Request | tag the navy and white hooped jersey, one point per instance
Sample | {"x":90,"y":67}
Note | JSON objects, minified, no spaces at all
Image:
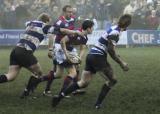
{"x":101,"y":47}
{"x":34,"y":34}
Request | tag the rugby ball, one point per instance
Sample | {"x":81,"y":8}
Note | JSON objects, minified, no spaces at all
{"x":74,"y":58}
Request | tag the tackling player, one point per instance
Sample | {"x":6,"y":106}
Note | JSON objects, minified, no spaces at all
{"x":23,"y":54}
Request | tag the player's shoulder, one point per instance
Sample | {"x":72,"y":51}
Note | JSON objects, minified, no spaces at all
{"x":35,"y":23}
{"x":114,"y":30}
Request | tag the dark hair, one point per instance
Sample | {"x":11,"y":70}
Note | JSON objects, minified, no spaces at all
{"x":124,"y":21}
{"x":44,"y":17}
{"x":87,"y":24}
{"x":65,"y":7}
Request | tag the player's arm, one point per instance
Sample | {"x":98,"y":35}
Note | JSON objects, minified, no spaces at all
{"x":116,"y":57}
{"x":63,"y":42}
{"x":59,"y":30}
{"x":49,"y":30}
{"x":51,"y":38}
{"x":82,"y":51}
{"x":71,"y":32}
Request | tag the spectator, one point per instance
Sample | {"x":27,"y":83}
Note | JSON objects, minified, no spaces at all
{"x":55,"y":13}
{"x":153,"y":20}
{"x":130,"y":8}
{"x":22,"y":14}
{"x":101,"y":14}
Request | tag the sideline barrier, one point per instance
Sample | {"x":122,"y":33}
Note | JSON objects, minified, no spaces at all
{"x":9,"y":37}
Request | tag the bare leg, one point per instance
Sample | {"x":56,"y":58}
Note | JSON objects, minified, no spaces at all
{"x":107,"y":73}
{"x":69,"y":78}
{"x":34,"y":79}
{"x":11,"y":75}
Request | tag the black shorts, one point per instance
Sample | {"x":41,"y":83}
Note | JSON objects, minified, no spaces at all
{"x":22,"y":57}
{"x":96,"y":63}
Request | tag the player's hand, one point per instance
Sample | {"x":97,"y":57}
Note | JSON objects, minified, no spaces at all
{"x":67,"y":56}
{"x":68,"y":59}
{"x":73,"y":58}
{"x":50,"y":54}
{"x":124,"y":66}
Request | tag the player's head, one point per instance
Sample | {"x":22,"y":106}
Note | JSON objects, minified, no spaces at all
{"x":67,"y":11}
{"x":87,"y":25}
{"x":124,"y":21}
{"x":44,"y":17}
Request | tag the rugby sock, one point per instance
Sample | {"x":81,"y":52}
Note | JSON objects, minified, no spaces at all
{"x":32,"y":83}
{"x":71,"y":88}
{"x":48,"y":86}
{"x":105,"y":89}
{"x":3,"y":78}
{"x":67,"y":82}
{"x":50,"y":77}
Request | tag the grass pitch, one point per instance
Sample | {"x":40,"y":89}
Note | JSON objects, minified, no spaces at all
{"x":137,"y":91}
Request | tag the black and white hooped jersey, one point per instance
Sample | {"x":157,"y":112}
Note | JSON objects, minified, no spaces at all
{"x":35,"y":32}
{"x":101,"y":47}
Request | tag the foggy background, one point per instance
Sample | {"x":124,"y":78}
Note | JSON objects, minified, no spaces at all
{"x":146,"y":13}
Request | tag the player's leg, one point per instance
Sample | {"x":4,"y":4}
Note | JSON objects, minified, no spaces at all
{"x":82,"y":83}
{"x":14,"y":67}
{"x":70,"y":77}
{"x":30,"y":62}
{"x":54,"y":75}
{"x":33,"y":80}
{"x":49,"y":82}
{"x":107,"y":73}
{"x":85,"y":79}
{"x":11,"y":75}
{"x":87,"y":73}
{"x":76,"y":79}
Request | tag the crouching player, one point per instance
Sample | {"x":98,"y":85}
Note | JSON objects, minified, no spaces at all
{"x":96,"y":60}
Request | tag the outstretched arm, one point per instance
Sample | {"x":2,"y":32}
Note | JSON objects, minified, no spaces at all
{"x":71,"y":32}
{"x":116,"y":57}
{"x":63,"y":42}
{"x":82,"y":51}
